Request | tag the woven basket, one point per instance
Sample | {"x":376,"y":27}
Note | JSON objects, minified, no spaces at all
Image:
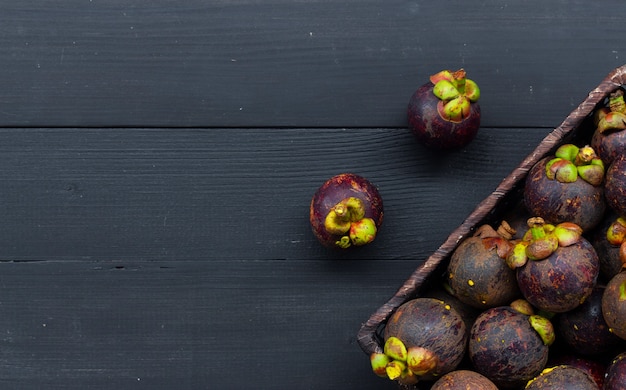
{"x":575,"y":128}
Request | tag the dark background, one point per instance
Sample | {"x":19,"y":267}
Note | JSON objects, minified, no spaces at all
{"x":157,"y":160}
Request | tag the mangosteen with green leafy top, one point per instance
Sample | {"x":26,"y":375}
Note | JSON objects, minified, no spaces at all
{"x":557,"y":268}
{"x":567,"y":187}
{"x":346,"y":211}
{"x":508,"y":346}
{"x":444,"y":114}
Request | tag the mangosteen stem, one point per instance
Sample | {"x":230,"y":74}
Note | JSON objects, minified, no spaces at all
{"x":350,"y":209}
{"x":347,"y":219}
{"x":506,"y":231}
{"x":584,"y":155}
{"x":340,"y":216}
{"x":456,"y":93}
{"x":616,"y":101}
{"x":541,"y":244}
{"x":536,"y":225}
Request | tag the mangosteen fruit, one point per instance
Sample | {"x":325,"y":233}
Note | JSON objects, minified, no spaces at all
{"x":584,"y":329}
{"x":562,"y":378}
{"x":615,"y":378}
{"x":567,"y":187}
{"x":614,"y":305}
{"x":430,"y":336}
{"x":443,"y":114}
{"x":463,"y":380}
{"x":556,"y":267}
{"x":615,"y":185}
{"x":346,"y":211}
{"x":609,"y":241}
{"x":509,"y":347}
{"x":443,"y":293}
{"x":609,"y":138}
{"x":478,"y":274}
{"x":592,"y":366}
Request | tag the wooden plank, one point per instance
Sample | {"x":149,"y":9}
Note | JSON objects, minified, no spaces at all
{"x":196,"y":194}
{"x":226,"y":324}
{"x":299,"y":64}
{"x":182,"y":258}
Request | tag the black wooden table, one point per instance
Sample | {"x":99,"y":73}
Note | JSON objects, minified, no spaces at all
{"x":158,"y":159}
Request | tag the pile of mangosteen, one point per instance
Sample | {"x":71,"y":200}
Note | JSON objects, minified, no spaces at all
{"x":536,"y":302}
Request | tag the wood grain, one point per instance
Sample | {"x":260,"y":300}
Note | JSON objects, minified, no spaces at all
{"x":157,"y":160}
{"x":161,"y":258}
{"x":194,"y":194}
{"x":297,"y":64}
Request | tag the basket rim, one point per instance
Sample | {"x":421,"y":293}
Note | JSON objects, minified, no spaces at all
{"x":367,"y":335}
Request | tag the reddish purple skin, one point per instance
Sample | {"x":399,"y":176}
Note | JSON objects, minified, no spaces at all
{"x":578,"y":202}
{"x":333,"y":191}
{"x":615,"y":185}
{"x":505,"y":348}
{"x":614,"y":305}
{"x":593,"y":368}
{"x":561,"y":281}
{"x":427,"y":323}
{"x":432,"y":130}
{"x":584,"y":329}
{"x":563,"y":378}
{"x":463,"y":380}
{"x":616,"y":374}
{"x":610,"y":263}
{"x":609,"y":145}
{"x":494,"y":282}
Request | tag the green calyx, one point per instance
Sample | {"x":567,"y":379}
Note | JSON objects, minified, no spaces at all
{"x":522,"y":306}
{"x":613,"y":117}
{"x":616,"y":233}
{"x":396,"y":362}
{"x":571,"y":162}
{"x":541,"y":240}
{"x":544,"y":328}
{"x":616,"y":236}
{"x":456,"y":93}
{"x":347,"y":220}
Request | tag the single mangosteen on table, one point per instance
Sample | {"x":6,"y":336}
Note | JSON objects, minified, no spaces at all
{"x":609,"y":138}
{"x":556,"y":267}
{"x":614,"y":305}
{"x":444,"y":114}
{"x":508,"y":346}
{"x":562,"y":377}
{"x":346,"y":211}
{"x":567,"y":187}
{"x":424,"y":339}
{"x":478,"y":274}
